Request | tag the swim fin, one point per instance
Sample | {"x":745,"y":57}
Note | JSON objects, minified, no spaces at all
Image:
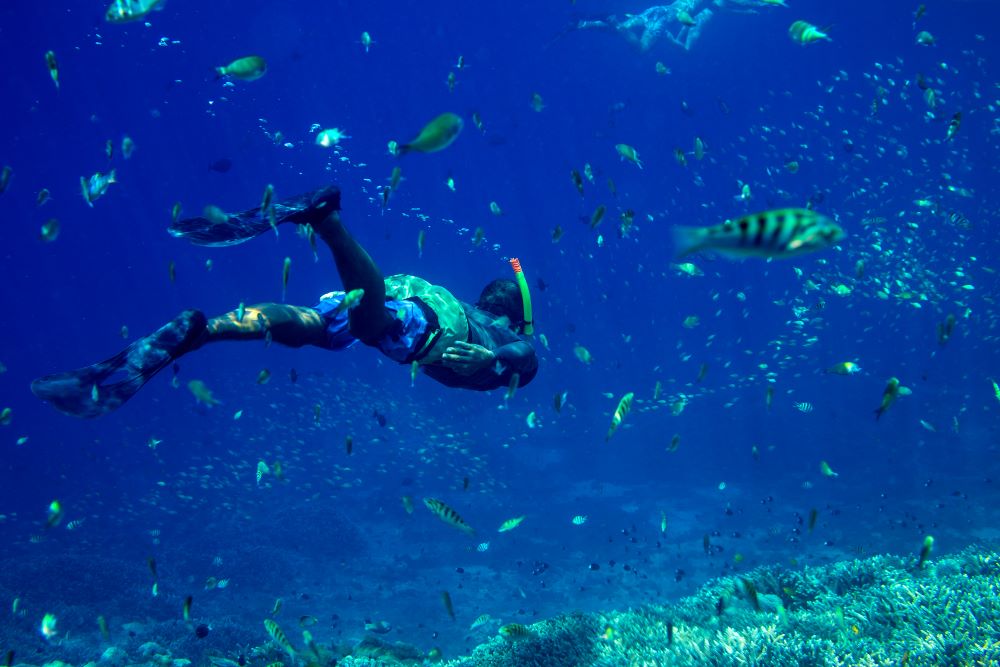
{"x":241,"y":227}
{"x":96,"y":390}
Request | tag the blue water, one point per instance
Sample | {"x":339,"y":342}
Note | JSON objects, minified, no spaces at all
{"x":332,"y":539}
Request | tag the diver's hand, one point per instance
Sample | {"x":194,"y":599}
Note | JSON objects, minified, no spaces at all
{"x":467,"y":358}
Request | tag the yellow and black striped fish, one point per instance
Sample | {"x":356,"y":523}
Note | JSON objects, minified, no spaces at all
{"x":515,"y":632}
{"x":780,"y":233}
{"x":448,"y":515}
{"x":279,"y":636}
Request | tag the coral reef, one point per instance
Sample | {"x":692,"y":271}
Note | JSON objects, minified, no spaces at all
{"x":880,"y":611}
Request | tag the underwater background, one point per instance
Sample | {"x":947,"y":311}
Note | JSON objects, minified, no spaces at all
{"x":707,"y":476}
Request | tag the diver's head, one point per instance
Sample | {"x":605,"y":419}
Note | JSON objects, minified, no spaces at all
{"x":502,"y":298}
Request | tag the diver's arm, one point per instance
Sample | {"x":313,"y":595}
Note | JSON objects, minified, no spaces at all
{"x":518,"y":356}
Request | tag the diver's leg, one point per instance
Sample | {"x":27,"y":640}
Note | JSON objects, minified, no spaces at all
{"x":293,"y":326}
{"x":94,"y":390}
{"x":370,"y":318}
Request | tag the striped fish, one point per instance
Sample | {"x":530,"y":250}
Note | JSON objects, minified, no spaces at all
{"x":515,"y":631}
{"x":448,"y":515}
{"x":623,"y":408}
{"x":279,"y":636}
{"x":780,"y":233}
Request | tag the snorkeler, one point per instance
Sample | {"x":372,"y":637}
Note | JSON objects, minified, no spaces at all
{"x":645,"y":29}
{"x":411,"y":321}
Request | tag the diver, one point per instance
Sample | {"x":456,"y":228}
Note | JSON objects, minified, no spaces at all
{"x":645,"y":29}
{"x":680,"y":22}
{"x":411,"y":321}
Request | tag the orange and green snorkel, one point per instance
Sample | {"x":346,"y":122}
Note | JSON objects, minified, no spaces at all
{"x":522,"y":283}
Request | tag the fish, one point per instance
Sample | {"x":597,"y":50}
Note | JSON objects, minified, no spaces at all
{"x":579,"y":520}
{"x":50,"y":61}
{"x":771,"y":234}
{"x":366,"y":40}
{"x":348,"y":445}
{"x":805,"y":33}
{"x":629,"y":153}
{"x":663,"y":523}
{"x":307,"y":621}
{"x":624,"y":405}
{"x":262,"y":470}
{"x":49,"y":231}
{"x":102,"y":625}
{"x":560,"y":400}
{"x":54,"y":514}
{"x":515,"y":380}
{"x":123,"y":11}
{"x":577,"y":181}
{"x":813,"y":514}
{"x":675,"y":442}
{"x":751,"y":592}
{"x":597,"y":216}
{"x":96,"y":186}
{"x":826,"y":470}
{"x":187,"y":608}
{"x":477,"y":120}
{"x":277,"y":607}
{"x":448,"y":515}
{"x":495,"y":209}
{"x":350,"y":301}
{"x":279,"y":637}
{"x":844,"y":368}
{"x":5,"y":175}
{"x":264,"y":376}
{"x":286,"y":267}
{"x":378,"y":627}
{"x":924,"y":38}
{"x":803,"y":406}
{"x":330,"y":137}
{"x":128,"y":147}
{"x":889,"y":396}
{"x":48,"y":626}
{"x":510,"y":524}
{"x":537,"y":103}
{"x":953,"y":125}
{"x":583,"y":354}
{"x":248,"y":68}
{"x":421,"y":237}
{"x":437,"y":135}
{"x":407,"y":504}
{"x":446,"y":600}
{"x":925,"y":551}
{"x":221,"y":166}
{"x":481,"y":620}
{"x":514,"y":632}
{"x":202,"y":393}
